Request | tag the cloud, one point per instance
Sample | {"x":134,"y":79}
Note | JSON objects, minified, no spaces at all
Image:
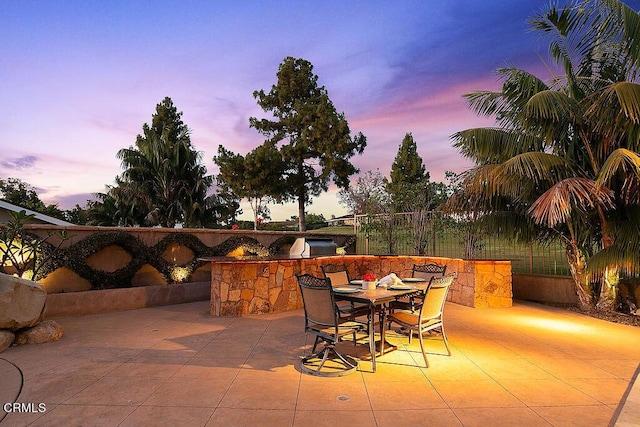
{"x":69,"y":201}
{"x":19,"y":163}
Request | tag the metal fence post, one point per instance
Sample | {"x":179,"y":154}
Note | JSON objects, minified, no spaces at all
{"x":433,"y":235}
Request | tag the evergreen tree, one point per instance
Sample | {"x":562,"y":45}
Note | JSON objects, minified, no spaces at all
{"x":313,"y":139}
{"x":409,"y":180}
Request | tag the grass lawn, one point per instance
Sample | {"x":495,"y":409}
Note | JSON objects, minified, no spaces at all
{"x":342,"y":229}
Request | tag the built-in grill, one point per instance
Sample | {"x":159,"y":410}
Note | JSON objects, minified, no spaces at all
{"x":312,"y":246}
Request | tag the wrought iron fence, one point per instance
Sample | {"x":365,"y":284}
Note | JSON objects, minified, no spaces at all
{"x":431,"y":234}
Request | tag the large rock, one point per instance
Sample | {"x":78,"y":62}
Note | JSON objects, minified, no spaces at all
{"x":6,"y":338}
{"x":45,"y":331}
{"x":21,"y":302}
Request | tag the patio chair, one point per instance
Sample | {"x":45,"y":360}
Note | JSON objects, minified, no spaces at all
{"x":339,"y":276}
{"x":423,"y":271}
{"x":321,"y":318}
{"x":429,"y":318}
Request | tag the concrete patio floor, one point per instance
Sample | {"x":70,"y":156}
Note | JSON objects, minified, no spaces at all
{"x":177,"y":365}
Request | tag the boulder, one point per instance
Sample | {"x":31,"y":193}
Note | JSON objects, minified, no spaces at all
{"x":6,"y":338}
{"x":21,"y":302}
{"x":45,"y":331}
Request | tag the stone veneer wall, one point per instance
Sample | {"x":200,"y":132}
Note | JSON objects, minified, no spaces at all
{"x":241,"y":287}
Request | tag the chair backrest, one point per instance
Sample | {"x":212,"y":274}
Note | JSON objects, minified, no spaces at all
{"x":435,"y":297}
{"x":318,"y":300}
{"x":427,"y":271}
{"x":337,"y":273}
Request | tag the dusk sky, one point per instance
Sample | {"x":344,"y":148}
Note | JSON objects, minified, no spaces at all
{"x":78,"y":79}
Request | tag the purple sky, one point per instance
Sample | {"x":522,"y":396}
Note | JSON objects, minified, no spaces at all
{"x":79,"y":78}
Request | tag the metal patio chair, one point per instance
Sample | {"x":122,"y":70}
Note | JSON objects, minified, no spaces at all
{"x":429,"y":318}
{"x":339,"y":276}
{"x":322,"y":319}
{"x":423,"y":271}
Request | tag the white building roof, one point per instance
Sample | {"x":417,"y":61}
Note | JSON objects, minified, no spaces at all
{"x":37,"y":215}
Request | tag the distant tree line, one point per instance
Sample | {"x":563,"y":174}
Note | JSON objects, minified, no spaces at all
{"x":164,"y":182}
{"x":308,"y":144}
{"x":20,"y":193}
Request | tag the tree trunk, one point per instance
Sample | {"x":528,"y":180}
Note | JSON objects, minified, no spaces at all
{"x":302,"y":224}
{"x":254,"y":206}
{"x":302,"y":195}
{"x":609,"y":290}
{"x":610,"y":278}
{"x":578,"y":263}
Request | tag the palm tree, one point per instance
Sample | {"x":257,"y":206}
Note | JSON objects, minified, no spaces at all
{"x":563,"y":160}
{"x":166,"y":169}
{"x":122,"y":205}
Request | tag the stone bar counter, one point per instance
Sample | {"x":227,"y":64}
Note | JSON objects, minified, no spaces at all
{"x":268,"y":285}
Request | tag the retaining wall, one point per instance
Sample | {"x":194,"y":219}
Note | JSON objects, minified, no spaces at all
{"x":108,"y":300}
{"x":543,"y":288}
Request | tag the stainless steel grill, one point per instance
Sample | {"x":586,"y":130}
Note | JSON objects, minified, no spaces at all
{"x":312,"y":246}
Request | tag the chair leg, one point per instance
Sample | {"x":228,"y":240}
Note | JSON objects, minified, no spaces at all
{"x":349,"y":364}
{"x":315,"y":344}
{"x":424,"y":353}
{"x":444,"y":337}
{"x":325,"y":355}
{"x":383,"y":334}
{"x":344,"y":359}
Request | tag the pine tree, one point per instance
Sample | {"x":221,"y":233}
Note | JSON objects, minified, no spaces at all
{"x":313,"y":139}
{"x":408,"y":176}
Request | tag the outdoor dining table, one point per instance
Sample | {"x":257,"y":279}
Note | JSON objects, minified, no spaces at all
{"x":378,"y":297}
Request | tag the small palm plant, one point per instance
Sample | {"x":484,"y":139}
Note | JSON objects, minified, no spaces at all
{"x":25,"y":254}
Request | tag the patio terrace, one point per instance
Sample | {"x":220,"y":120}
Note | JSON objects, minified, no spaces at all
{"x":178,"y":365}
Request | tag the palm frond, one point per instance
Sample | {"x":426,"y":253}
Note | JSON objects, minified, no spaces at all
{"x":552,"y":105}
{"x":625,"y":22}
{"x":557,"y":204}
{"x":626,"y":231}
{"x":534,"y":165}
{"x":485,"y":103}
{"x":519,"y":85}
{"x":624,"y":95}
{"x":622,"y":161}
{"x":559,"y":25}
{"x":615,"y":256}
{"x":509,"y":225}
{"x":476,"y":190}
{"x":493,"y":145}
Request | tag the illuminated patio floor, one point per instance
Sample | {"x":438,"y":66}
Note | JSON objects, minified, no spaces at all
{"x":178,"y":366}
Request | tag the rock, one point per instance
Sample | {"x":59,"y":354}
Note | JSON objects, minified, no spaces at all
{"x":6,"y":338}
{"x":45,"y":331}
{"x":21,"y":302}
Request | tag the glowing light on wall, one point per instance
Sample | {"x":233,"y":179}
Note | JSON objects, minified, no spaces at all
{"x":180,"y":274}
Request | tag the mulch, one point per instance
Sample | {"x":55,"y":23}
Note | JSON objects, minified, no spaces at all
{"x":615,"y":317}
{"x":609,"y":316}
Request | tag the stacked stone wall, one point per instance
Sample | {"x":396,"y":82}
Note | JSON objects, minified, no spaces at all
{"x":241,"y":287}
